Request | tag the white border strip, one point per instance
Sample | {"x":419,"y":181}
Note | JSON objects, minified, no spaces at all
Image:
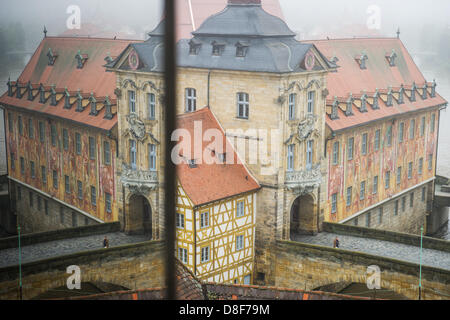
{"x":386,"y":200}
{"x":57,"y":200}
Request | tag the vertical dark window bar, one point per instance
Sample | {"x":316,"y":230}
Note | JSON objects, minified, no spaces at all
{"x":169,"y":168}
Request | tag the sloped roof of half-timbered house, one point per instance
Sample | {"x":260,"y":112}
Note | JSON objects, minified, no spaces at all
{"x":241,"y":37}
{"x":377,"y":77}
{"x":218,"y":174}
{"x":74,"y":68}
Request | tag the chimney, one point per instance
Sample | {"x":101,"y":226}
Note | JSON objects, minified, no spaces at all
{"x":257,"y":2}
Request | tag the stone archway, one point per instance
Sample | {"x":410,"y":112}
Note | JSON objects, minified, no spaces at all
{"x":139,"y":216}
{"x":302,"y":216}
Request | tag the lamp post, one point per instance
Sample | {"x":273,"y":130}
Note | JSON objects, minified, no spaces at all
{"x":20,"y":266}
{"x":420,"y":264}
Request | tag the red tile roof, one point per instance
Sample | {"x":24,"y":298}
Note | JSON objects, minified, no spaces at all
{"x":211,"y":182}
{"x":92,"y":78}
{"x":350,"y":78}
{"x":202,"y":9}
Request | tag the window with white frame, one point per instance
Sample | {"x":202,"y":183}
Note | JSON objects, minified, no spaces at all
{"x":362,"y":190}
{"x":290,"y":157}
{"x":433,"y":122}
{"x":430,"y":161}
{"x":205,"y":254}
{"x":106,"y":153}
{"x":240,"y":209}
{"x":132,"y":101}
{"x":204,"y":219}
{"x":335,"y":153}
{"x":292,"y":97}
{"x":350,"y":148}
{"x":108,"y":202}
{"x":151,"y":104}
{"x":311,"y":101}
{"x":422,"y":127}
{"x":242,"y":105}
{"x":334,"y":203}
{"x":400,"y":132}
{"x":239,"y":242}
{"x":180,"y":220}
{"x":151,"y":157}
{"x":399,"y":175}
{"x":349,"y":196}
{"x":183,"y":255}
{"x":420,"y":165}
{"x":191,"y":99}
{"x":364,"y":144}
{"x":389,"y":136}
{"x":412,"y":128}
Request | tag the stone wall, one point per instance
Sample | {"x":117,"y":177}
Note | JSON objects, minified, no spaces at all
{"x":409,"y":239}
{"x":29,"y":239}
{"x":305,"y":266}
{"x":135,"y":266}
{"x":43,"y":213}
{"x":407,"y":219}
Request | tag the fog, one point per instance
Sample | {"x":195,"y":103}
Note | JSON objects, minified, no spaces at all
{"x":424,"y":28}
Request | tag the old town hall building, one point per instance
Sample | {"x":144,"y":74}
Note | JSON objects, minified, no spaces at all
{"x":332,"y":130}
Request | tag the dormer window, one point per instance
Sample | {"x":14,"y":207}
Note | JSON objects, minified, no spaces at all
{"x":10,"y":92}
{"x":413,"y":92}
{"x":108,"y":111}
{"x":375,"y":104}
{"x":433,"y":89}
{"x":81,"y":59}
{"x":424,"y":92}
{"x":18,"y":93}
{"x":389,"y":98}
{"x":53,"y":97}
{"x":108,"y":58}
{"x":41,"y":94}
{"x":401,"y":95}
{"x":363,"y":103}
{"x":79,"y":102}
{"x":192,"y":163}
{"x":241,"y":49}
{"x":51,"y":57}
{"x":218,"y":48}
{"x":391,"y":58}
{"x":362,"y":61}
{"x":194,"y":47}
{"x":93,"y":101}
{"x":67,"y":100}
{"x":349,"y":109}
{"x":334,"y":109}
{"x":30,"y":92}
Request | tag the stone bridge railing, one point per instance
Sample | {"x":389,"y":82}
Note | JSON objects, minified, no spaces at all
{"x":132,"y":266}
{"x":308,"y":266}
{"x":33,"y":238}
{"x":404,"y":238}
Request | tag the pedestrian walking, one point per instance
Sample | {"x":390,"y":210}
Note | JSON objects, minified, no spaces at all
{"x":106,"y":243}
{"x":336,"y":243}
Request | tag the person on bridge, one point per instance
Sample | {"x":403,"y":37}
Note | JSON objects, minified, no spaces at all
{"x":106,"y":243}
{"x":336,"y":243}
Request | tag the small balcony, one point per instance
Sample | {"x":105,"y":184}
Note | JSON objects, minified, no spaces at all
{"x":139,"y":180}
{"x":305,"y":181}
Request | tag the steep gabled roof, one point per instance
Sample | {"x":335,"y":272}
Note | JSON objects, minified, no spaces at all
{"x":207,"y":183}
{"x":64,"y":75}
{"x":377,"y":75}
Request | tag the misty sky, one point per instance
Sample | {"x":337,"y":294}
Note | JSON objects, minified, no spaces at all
{"x":142,"y":15}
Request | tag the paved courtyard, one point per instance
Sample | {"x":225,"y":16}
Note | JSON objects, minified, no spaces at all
{"x":432,"y":258}
{"x":57,"y":248}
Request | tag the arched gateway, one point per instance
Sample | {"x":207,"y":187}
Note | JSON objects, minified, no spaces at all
{"x":139,"y":216}
{"x":303,"y":216}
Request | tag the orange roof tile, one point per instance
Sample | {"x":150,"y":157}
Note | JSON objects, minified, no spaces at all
{"x":211,"y":182}
{"x":350,"y":78}
{"x":65,"y":74}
